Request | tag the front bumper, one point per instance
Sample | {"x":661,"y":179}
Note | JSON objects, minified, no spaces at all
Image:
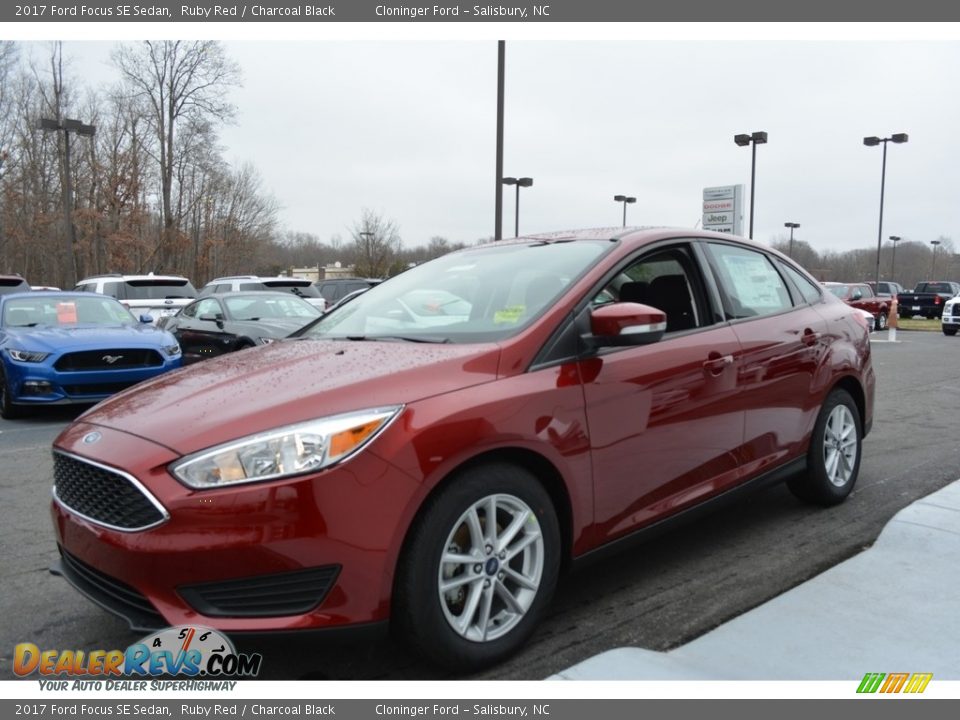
{"x":42,"y":384}
{"x":335,"y":533}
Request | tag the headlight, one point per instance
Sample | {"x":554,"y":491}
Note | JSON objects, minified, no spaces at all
{"x":266,"y":340}
{"x":27,"y":356}
{"x":171,"y":350}
{"x":291,"y":450}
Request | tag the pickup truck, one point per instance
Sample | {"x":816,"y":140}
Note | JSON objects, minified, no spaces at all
{"x":927,"y":299}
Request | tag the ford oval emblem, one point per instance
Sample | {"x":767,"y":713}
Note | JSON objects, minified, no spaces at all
{"x":91,"y":438}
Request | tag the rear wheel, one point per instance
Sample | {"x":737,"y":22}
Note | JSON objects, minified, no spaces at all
{"x":881,"y":321}
{"x":479,"y":568}
{"x":833,"y":460}
{"x":8,"y":410}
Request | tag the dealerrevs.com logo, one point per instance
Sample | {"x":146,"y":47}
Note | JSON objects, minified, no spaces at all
{"x":894,"y":682}
{"x":186,"y":650}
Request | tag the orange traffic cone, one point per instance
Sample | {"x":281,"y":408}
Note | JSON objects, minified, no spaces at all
{"x":892,"y":321}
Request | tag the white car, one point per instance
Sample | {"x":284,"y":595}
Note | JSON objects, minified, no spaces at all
{"x":158,"y":296}
{"x":950,"y":320}
{"x":300,"y":287}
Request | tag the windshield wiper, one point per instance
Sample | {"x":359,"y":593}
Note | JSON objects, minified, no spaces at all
{"x":401,"y":338}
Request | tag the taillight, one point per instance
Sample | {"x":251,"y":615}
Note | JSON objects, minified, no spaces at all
{"x":937,"y":299}
{"x":861,"y":320}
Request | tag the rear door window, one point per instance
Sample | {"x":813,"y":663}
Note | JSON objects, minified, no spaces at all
{"x":750,"y":285}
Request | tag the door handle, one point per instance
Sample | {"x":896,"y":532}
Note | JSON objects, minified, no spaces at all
{"x":716,"y":362}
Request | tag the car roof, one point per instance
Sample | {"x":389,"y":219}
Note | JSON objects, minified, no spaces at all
{"x":251,"y":293}
{"x":271,"y":278}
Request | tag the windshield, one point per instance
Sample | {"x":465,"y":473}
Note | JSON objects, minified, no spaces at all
{"x":253,"y":307}
{"x":477,"y":295}
{"x":46,"y":310}
{"x":841,"y":291}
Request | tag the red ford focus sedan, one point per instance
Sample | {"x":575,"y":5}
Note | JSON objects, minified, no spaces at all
{"x":436,"y":451}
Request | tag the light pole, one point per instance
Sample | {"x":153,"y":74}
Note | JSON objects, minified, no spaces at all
{"x":873,"y":141}
{"x":893,"y":260}
{"x":68,"y":126}
{"x":791,"y":225}
{"x":933,"y":266}
{"x":757,"y":138}
{"x":624,"y":199}
{"x":519,"y":182}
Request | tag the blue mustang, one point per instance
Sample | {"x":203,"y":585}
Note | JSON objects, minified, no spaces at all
{"x":68,"y":347}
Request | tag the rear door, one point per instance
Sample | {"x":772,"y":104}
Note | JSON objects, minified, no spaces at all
{"x":783,"y":339}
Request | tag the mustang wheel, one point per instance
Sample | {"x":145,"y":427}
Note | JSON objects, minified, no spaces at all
{"x":7,"y":409}
{"x":480,"y":567}
{"x":834,"y":455}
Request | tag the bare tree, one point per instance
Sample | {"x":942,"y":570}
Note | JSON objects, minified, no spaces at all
{"x":376,"y":241}
{"x":180,"y":83}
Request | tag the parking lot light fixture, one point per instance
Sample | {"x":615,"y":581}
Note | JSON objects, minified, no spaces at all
{"x":873,"y":141}
{"x":519,"y":182}
{"x":68,"y":126}
{"x":893,"y":261}
{"x":792,"y":226}
{"x":757,"y":138}
{"x":933,"y":265}
{"x":625,"y":200}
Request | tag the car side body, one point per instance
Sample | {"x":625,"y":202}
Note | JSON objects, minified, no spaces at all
{"x":601,"y":384}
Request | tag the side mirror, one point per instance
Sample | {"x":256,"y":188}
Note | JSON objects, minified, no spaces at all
{"x":146,"y":319}
{"x":626,"y":324}
{"x":857,"y":294}
{"x":217,"y":318}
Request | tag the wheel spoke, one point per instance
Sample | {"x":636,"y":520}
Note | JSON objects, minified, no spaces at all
{"x":476,"y":531}
{"x":490,"y":534}
{"x":484,"y":620}
{"x":529,"y":537}
{"x":520,"y":579}
{"x":457,"y":559}
{"x":458,"y":581}
{"x":507,"y":536}
{"x":513,"y":605}
{"x":470,"y":608}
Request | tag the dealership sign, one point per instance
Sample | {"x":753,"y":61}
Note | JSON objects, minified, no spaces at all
{"x":723,"y":209}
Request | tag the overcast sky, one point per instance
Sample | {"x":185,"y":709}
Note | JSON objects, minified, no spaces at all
{"x":408,"y":129}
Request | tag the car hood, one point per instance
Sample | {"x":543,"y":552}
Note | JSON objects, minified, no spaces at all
{"x":86,"y":337}
{"x":266,"y":328}
{"x":250,"y":391}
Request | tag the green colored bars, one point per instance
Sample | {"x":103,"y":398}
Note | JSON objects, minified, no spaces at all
{"x":895,"y":682}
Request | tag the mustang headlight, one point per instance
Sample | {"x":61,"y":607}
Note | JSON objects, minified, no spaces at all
{"x":291,"y":450}
{"x":171,"y":350}
{"x":27,"y":356}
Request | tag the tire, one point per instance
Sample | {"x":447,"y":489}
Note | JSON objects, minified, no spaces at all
{"x":481,"y":604}
{"x":8,"y":410}
{"x":949,"y":331}
{"x":833,"y":459}
{"x":880,"y":322}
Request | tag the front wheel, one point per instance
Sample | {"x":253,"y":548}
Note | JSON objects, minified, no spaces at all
{"x":8,"y":410}
{"x":881,"y":322}
{"x":833,"y":460}
{"x":949,"y":331}
{"x":479,"y":569}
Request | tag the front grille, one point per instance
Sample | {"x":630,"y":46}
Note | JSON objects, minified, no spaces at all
{"x":96,"y":388}
{"x":102,"y":495}
{"x":110,"y":593}
{"x":121,"y":358}
{"x":290,"y":593}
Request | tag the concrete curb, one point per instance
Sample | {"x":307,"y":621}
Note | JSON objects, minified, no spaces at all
{"x":893,"y":608}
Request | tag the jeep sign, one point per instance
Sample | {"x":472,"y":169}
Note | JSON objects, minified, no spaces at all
{"x":723,"y":209}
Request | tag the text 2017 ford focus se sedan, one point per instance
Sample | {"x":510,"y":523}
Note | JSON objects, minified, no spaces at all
{"x":435,"y":451}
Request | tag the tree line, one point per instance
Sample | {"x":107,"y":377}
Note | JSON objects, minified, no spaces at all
{"x":152,"y":191}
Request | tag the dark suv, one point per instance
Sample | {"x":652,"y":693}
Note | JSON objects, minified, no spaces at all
{"x":12,"y":284}
{"x":336,"y":289}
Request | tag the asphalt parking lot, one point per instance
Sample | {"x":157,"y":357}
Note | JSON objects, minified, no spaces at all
{"x":657,"y":596}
